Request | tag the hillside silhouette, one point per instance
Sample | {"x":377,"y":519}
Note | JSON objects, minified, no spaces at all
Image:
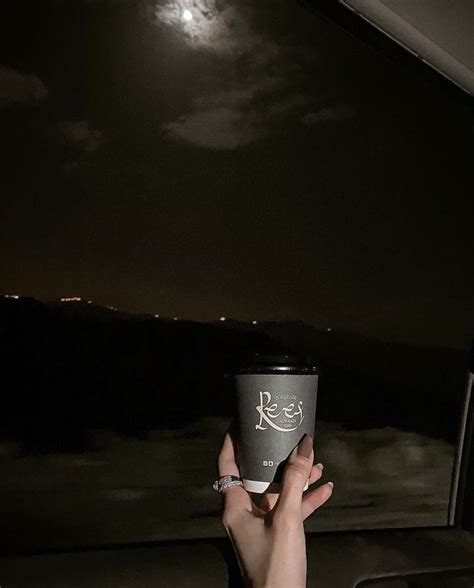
{"x":68,"y":367}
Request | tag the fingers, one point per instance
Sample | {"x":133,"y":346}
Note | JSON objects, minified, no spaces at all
{"x":316,"y":474}
{"x":226,"y":464}
{"x":314,"y":499}
{"x":236,"y":498}
{"x":296,"y":473}
{"x":269,"y":500}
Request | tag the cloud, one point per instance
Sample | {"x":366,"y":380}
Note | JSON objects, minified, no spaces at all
{"x":338,"y":113}
{"x":218,"y":128}
{"x":80,"y":135}
{"x":227,"y":119}
{"x":19,"y":88}
{"x":241,"y":115}
{"x":78,"y":141}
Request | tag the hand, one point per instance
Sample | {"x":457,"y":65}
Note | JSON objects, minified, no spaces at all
{"x":269,"y":539}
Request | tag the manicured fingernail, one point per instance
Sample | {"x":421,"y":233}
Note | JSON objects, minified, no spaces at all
{"x":320,"y":466}
{"x":330,"y":484}
{"x":305,"y":446}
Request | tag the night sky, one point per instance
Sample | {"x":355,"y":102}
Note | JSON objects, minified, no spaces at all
{"x":245,"y":159}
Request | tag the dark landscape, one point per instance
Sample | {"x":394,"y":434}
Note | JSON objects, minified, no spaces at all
{"x":72,"y":366}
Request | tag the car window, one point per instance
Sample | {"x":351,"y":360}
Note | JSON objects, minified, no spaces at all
{"x":185,"y":181}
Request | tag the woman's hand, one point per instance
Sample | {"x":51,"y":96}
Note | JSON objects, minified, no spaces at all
{"x":269,"y":540}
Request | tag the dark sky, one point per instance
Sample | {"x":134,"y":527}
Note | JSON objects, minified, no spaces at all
{"x":255,"y":162}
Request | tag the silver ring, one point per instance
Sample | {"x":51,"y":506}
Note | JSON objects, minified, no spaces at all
{"x":226,"y":482}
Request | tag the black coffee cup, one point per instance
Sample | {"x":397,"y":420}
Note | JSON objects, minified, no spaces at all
{"x":276,"y":405}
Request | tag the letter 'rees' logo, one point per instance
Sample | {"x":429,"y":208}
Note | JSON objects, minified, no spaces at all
{"x":267,"y":413}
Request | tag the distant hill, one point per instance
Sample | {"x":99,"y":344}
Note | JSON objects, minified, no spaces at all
{"x":69,"y":366}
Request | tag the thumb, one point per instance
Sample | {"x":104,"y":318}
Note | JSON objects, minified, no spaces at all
{"x":296,"y":474}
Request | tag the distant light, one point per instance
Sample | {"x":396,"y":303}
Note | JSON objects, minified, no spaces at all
{"x":111,"y":308}
{"x":187,"y":15}
{"x":14,"y":296}
{"x":71,"y":299}
{"x":222,"y":318}
{"x":89,"y":302}
{"x":156,"y":316}
{"x":254,"y":322}
{"x":175,"y":318}
{"x":329,"y":329}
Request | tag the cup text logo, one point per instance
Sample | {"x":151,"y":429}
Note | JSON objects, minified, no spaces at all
{"x":267,"y":413}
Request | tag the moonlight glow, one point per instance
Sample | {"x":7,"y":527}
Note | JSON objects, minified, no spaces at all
{"x":206,"y":24}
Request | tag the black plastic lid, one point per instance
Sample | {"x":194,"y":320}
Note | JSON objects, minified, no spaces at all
{"x":276,"y":363}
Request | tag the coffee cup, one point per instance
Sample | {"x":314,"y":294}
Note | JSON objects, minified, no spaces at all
{"x":276,"y":405}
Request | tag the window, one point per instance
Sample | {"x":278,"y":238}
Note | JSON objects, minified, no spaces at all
{"x":185,"y":181}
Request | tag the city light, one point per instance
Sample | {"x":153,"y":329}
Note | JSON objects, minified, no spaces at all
{"x":112,"y":308}
{"x":156,"y":316}
{"x":71,"y":299}
{"x":254,"y":322}
{"x":175,"y":318}
{"x":329,"y":329}
{"x":222,"y":318}
{"x":187,"y":15}
{"x":14,"y":296}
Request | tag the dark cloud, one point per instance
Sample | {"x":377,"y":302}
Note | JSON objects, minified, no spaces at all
{"x":80,"y":134}
{"x":224,"y":120}
{"x":215,"y":128}
{"x":20,"y":88}
{"x":79,"y":141}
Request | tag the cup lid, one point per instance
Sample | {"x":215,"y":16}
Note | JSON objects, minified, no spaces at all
{"x":275,"y":362}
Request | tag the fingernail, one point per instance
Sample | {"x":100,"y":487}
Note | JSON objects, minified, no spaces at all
{"x":305,"y":446}
{"x":330,"y":484}
{"x":320,"y":466}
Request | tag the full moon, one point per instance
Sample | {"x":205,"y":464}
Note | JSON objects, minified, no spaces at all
{"x":187,"y":15}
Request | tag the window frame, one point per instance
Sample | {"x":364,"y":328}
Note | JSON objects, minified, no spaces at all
{"x":461,"y":511}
